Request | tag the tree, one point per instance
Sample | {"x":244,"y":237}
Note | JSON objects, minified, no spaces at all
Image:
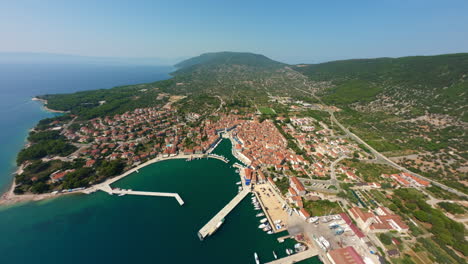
{"x":385,"y":238}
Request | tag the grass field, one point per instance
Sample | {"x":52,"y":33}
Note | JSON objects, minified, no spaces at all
{"x":267,"y":110}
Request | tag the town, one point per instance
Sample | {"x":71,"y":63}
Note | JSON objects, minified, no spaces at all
{"x":302,"y":174}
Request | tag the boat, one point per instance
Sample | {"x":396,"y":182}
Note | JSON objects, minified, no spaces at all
{"x":122,"y":194}
{"x":256,"y":258}
{"x":238,"y":183}
{"x":260,"y":215}
{"x":274,"y":255}
{"x":289,"y":251}
{"x":257,"y":208}
{"x":267,"y":228}
{"x":216,"y":227}
{"x":263,"y":220}
{"x":270,"y":232}
{"x":262,"y":226}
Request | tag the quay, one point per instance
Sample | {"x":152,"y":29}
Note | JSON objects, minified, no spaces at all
{"x":106,"y":188}
{"x":219,"y":157}
{"x":296,"y":257}
{"x":208,"y":229}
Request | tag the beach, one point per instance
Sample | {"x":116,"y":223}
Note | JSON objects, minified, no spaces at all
{"x":44,"y":105}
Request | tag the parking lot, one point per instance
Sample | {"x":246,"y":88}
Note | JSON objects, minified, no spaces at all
{"x":334,"y":230}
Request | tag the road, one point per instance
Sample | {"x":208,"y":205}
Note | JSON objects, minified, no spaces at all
{"x":383,"y":159}
{"x":379,"y":156}
{"x":333,"y":180}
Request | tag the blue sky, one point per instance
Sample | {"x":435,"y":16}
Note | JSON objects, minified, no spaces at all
{"x":289,"y":31}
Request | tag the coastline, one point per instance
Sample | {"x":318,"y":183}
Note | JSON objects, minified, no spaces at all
{"x":44,"y":105}
{"x":9,"y":197}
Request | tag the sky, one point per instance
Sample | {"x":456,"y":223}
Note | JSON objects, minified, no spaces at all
{"x":296,"y":31}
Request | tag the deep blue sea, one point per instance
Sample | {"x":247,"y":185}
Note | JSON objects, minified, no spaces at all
{"x":99,"y":228}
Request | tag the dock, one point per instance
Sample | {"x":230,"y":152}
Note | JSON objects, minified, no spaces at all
{"x":211,"y":225}
{"x":296,"y":257}
{"x":109,"y":190}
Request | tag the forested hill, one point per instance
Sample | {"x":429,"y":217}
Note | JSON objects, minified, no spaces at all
{"x":414,"y":85}
{"x":235,"y":74}
{"x":227,"y":58}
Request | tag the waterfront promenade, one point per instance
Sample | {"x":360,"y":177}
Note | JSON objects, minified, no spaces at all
{"x":210,"y":227}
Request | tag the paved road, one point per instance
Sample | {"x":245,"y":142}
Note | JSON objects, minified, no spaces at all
{"x":383,"y":158}
{"x":333,"y":180}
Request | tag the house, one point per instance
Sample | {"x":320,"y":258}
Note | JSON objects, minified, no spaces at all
{"x":90,"y":163}
{"x":347,"y":255}
{"x":297,"y":186}
{"x":58,"y":175}
{"x":383,"y":221}
{"x":304,"y":214}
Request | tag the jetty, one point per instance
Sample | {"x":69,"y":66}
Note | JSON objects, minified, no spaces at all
{"x":106,"y":188}
{"x":211,"y":225}
{"x":296,"y":257}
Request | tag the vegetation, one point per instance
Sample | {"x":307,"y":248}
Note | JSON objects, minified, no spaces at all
{"x":43,"y":148}
{"x":322,"y":207}
{"x":403,"y":106}
{"x":283,"y":184}
{"x":95,"y":103}
{"x":385,"y":238}
{"x":443,"y":228}
{"x":452,"y":208}
{"x":350,"y":92}
{"x":266,"y":111}
{"x":370,"y":172}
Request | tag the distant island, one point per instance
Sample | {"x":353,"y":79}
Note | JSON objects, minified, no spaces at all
{"x":380,"y":139}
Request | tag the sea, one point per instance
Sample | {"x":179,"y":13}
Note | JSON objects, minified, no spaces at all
{"x":102,"y":228}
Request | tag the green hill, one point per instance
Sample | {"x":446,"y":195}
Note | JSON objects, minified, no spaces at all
{"x":227,"y":58}
{"x":238,"y":77}
{"x":436,"y":84}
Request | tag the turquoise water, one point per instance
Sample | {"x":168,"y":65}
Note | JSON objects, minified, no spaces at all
{"x":100,"y":228}
{"x":135,"y":229}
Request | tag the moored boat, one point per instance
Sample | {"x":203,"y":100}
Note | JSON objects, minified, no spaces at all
{"x":257,"y":261}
